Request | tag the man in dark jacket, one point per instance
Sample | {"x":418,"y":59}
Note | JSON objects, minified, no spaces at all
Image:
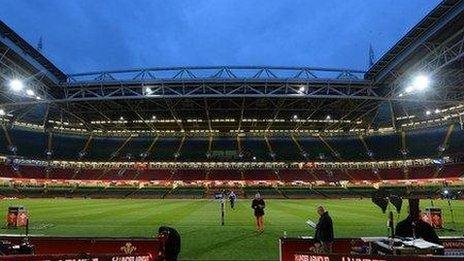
{"x":324,"y":236}
{"x":172,"y":243}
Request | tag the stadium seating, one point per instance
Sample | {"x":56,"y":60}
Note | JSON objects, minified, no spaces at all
{"x":348,"y":148}
{"x":291,"y":175}
{"x":391,"y":173}
{"x":165,"y":149}
{"x":285,"y":149}
{"x":456,"y":142}
{"x":30,"y":144}
{"x":189,"y":174}
{"x":290,"y":180}
{"x":222,"y":174}
{"x":384,"y":147}
{"x":135,"y":147}
{"x":255,"y":147}
{"x":416,"y":146}
{"x":67,"y":147}
{"x":194,"y":148}
{"x":316,"y":149}
{"x":33,"y":144}
{"x":260,"y":174}
{"x":155,"y":174}
{"x":283,"y":175}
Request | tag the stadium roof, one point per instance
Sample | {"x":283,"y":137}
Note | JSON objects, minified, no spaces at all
{"x":10,"y":41}
{"x":244,"y":98}
{"x":441,"y":23}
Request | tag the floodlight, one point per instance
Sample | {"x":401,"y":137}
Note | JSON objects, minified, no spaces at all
{"x":437,"y":111}
{"x":428,"y":112}
{"x":2,"y":112}
{"x":295,"y":117}
{"x":409,"y":89}
{"x":16,"y":85}
{"x":328,"y":117}
{"x":421,"y":82}
{"x":30,"y":92}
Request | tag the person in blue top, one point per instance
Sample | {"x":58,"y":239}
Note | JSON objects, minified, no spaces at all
{"x":232,"y":198}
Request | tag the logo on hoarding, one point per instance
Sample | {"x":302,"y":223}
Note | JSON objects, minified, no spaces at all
{"x":327,"y":258}
{"x":453,"y":244}
{"x":311,"y":258}
{"x":128,"y":248}
{"x":131,"y":258}
{"x":347,"y":258}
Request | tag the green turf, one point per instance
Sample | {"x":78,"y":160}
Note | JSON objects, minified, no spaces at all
{"x":198,"y":222}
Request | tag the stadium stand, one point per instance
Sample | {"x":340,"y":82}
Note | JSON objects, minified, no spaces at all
{"x":112,"y":182}
{"x":32,"y":144}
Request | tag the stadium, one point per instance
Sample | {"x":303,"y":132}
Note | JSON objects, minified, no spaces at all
{"x":113,"y":155}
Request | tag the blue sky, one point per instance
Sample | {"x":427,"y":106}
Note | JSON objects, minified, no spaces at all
{"x":93,"y":35}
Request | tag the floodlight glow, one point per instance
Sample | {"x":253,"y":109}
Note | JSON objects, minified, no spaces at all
{"x":30,"y":92}
{"x":409,"y":89}
{"x":295,"y":117}
{"x":421,"y":82}
{"x":428,"y":112}
{"x":16,"y":85}
{"x":2,"y":112}
{"x":328,"y":117}
{"x":437,"y":111}
{"x":446,"y":192}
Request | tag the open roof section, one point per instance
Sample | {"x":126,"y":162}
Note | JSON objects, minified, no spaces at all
{"x":441,"y":23}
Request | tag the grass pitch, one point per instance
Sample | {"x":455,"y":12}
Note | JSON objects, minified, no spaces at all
{"x":198,"y":221}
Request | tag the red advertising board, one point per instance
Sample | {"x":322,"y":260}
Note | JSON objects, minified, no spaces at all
{"x":302,"y":249}
{"x":348,"y":257}
{"x":102,"y":257}
{"x":45,"y":245}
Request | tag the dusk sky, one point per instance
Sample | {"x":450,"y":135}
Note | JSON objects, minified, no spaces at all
{"x":94,"y":35}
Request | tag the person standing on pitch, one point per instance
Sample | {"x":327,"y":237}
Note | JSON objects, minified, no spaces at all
{"x":324,"y":236}
{"x":258,"y":205}
{"x":232,"y":198}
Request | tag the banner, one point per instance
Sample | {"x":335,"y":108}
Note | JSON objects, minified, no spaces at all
{"x":107,"y":257}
